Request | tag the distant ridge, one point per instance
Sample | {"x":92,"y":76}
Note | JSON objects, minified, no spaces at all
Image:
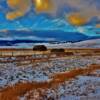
{"x":21,"y":36}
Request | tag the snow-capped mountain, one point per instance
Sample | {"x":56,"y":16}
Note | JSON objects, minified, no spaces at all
{"x":11,"y":38}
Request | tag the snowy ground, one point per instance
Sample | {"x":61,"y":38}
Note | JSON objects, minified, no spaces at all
{"x":10,"y":73}
{"x":95,"y":43}
{"x":80,"y":88}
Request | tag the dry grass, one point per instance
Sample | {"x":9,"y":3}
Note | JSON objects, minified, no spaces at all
{"x":12,"y":93}
{"x":27,"y":52}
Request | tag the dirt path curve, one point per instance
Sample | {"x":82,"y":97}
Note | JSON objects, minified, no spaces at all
{"x":11,"y":93}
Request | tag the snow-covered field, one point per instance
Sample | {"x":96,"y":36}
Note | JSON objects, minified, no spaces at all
{"x":94,"y":43}
{"x":11,"y":73}
{"x":83,"y":44}
{"x":80,"y":88}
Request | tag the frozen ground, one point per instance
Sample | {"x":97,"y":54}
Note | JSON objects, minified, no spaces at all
{"x":83,"y":44}
{"x":80,"y":88}
{"x":10,"y":73}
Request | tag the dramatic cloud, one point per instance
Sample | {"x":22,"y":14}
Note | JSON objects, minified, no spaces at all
{"x":19,"y":7}
{"x":43,"y":5}
{"x":97,"y":25}
{"x":77,"y":19}
{"x":86,"y":9}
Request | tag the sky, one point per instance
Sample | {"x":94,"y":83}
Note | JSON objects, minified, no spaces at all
{"x":67,"y":15}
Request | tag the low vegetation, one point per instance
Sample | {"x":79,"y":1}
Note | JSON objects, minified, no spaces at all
{"x":40,"y":48}
{"x":57,"y":50}
{"x":12,"y":93}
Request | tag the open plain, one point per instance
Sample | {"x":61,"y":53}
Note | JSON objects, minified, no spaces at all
{"x":41,"y":75}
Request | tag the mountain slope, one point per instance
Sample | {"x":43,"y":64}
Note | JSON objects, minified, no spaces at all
{"x":13,"y":37}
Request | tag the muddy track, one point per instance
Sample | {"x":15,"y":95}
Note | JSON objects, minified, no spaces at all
{"x":11,"y":93}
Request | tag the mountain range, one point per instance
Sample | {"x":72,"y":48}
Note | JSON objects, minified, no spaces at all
{"x":12,"y":37}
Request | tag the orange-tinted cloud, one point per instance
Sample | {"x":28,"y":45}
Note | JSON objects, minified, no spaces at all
{"x":20,"y":7}
{"x":77,"y":19}
{"x":43,"y":5}
{"x":14,"y":15}
{"x":13,"y":3}
{"x":97,"y":25}
{"x":86,"y":8}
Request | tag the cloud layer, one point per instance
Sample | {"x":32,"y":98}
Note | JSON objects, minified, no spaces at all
{"x":19,"y":7}
{"x":86,"y":9}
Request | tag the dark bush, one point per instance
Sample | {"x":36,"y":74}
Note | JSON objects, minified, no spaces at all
{"x":57,"y":50}
{"x":96,"y":51}
{"x":69,"y":53}
{"x":40,"y":48}
{"x":84,"y":55}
